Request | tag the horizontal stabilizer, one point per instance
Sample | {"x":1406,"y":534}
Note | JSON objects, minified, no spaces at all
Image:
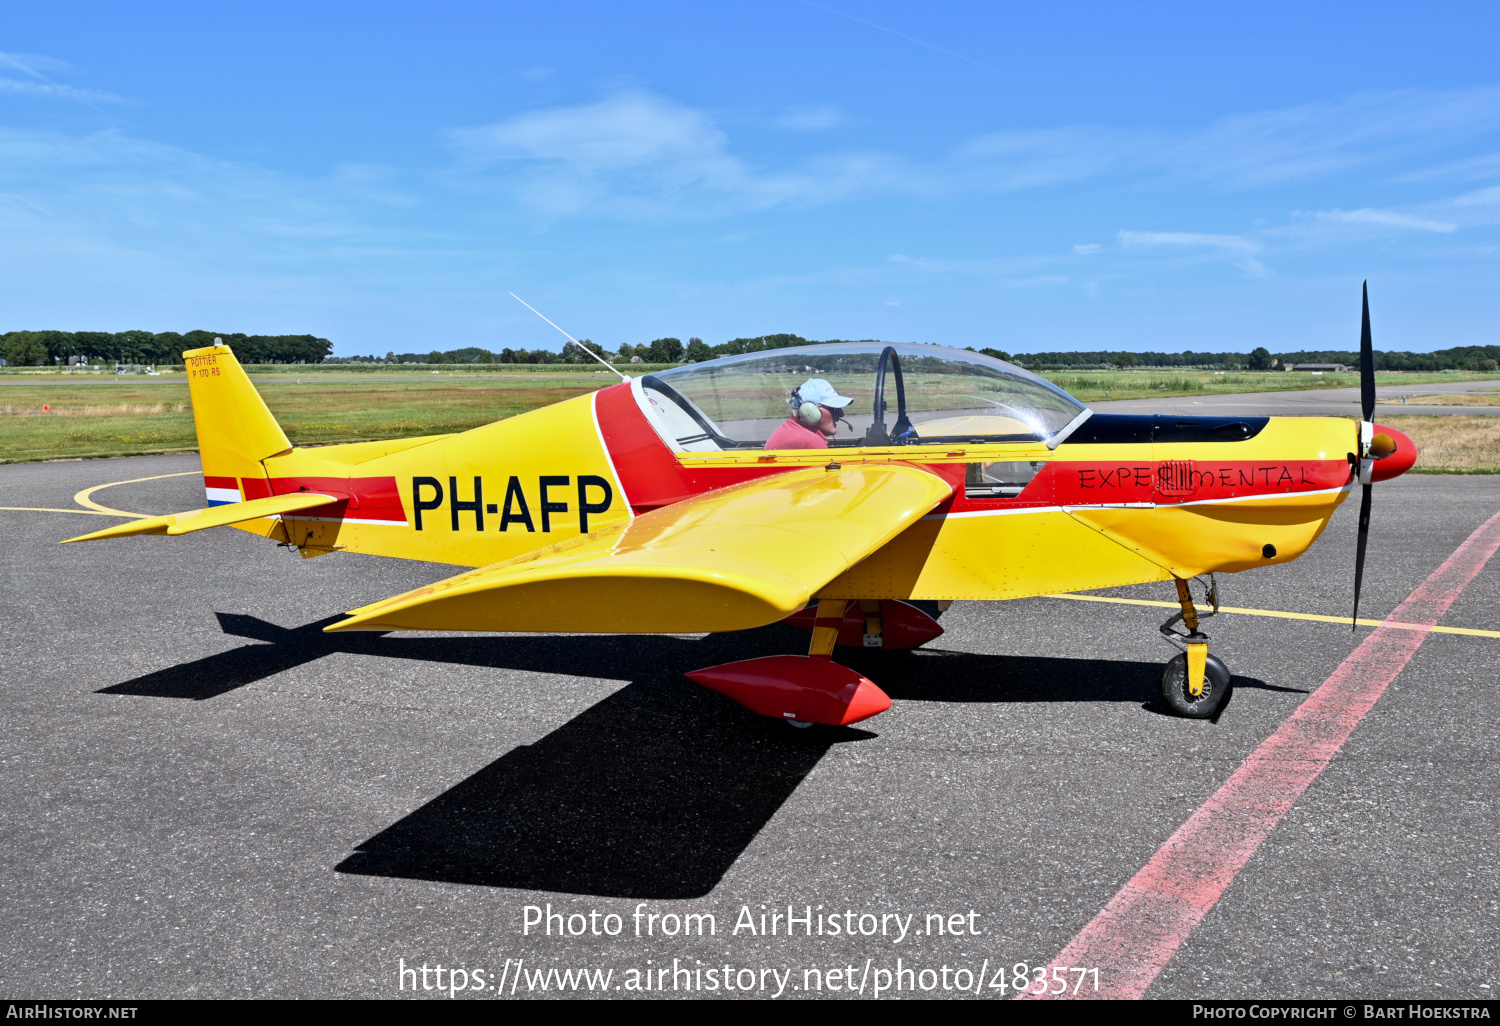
{"x":216,"y":516}
{"x":730,"y":559}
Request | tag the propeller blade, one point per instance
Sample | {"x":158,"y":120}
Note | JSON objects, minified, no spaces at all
{"x":1366,"y":363}
{"x":1359,"y":551}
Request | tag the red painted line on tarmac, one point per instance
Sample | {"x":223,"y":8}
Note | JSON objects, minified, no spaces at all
{"x":1139,"y":931}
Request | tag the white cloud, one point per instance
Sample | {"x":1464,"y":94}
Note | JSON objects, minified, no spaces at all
{"x":628,"y":130}
{"x":638,"y":154}
{"x":39,"y":85}
{"x":1002,"y":161}
{"x":984,"y":267}
{"x":372,"y":183}
{"x":1040,"y":281}
{"x":1226,"y":245}
{"x":1480,"y":197}
{"x":627,"y":154}
{"x":106,"y":190}
{"x":1260,"y":148}
{"x":52,"y":90}
{"x":1467,"y":170}
{"x":1235,"y":243}
{"x":1317,"y":139}
{"x":32,"y":63}
{"x":818,"y":118}
{"x":1386,"y":219}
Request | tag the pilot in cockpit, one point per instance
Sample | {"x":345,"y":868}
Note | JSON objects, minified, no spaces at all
{"x":816,"y":411}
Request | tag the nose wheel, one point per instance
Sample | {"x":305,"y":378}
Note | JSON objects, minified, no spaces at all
{"x":1194,"y":683}
{"x":1213,"y":691}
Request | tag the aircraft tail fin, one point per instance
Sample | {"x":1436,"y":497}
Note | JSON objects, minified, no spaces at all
{"x":235,"y":429}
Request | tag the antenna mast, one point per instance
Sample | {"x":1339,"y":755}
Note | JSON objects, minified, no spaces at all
{"x":570,"y":338}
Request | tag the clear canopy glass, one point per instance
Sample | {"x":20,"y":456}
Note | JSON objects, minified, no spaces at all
{"x":903,"y":395}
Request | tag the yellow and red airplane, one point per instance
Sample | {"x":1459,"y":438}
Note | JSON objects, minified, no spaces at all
{"x":653,"y":506}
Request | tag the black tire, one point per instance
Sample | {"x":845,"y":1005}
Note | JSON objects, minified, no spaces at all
{"x":1217,"y":683}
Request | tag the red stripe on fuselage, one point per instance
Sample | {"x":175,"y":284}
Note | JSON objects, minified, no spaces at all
{"x":705,"y":479}
{"x":370,"y":498}
{"x":1102,"y":483}
{"x":649,"y":473}
{"x":1175,"y":482}
{"x":220,"y":482}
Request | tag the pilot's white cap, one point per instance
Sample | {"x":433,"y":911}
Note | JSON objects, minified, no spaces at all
{"x":816,"y":390}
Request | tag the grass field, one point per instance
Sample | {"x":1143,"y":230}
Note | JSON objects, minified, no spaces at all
{"x":1093,"y":386}
{"x":135,"y":416}
{"x":1088,"y":385}
{"x":130,"y":419}
{"x":1452,"y":445}
{"x":1469,"y":399}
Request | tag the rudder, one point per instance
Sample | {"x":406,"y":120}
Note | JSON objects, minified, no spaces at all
{"x":235,"y":429}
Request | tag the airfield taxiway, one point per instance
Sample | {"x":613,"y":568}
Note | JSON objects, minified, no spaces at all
{"x":201,"y":794}
{"x":1390,"y":401}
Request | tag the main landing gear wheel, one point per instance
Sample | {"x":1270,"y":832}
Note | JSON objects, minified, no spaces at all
{"x":1217,"y":683}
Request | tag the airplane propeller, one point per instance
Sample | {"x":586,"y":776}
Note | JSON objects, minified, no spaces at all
{"x":1371,"y":446}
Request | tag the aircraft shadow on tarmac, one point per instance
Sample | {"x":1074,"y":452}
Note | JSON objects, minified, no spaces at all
{"x":939,"y":675}
{"x":652,"y":793}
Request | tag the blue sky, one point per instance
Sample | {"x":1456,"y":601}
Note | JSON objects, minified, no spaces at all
{"x":1025,"y":176}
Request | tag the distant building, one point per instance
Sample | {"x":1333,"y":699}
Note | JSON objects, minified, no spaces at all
{"x":1330,"y":368}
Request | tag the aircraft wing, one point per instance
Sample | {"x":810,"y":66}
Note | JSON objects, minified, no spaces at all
{"x":730,"y":559}
{"x":216,"y":516}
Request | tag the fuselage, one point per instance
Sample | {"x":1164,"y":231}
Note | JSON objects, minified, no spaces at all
{"x":1121,"y":500}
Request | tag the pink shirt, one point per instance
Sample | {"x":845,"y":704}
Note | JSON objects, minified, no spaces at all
{"x":792,"y":435}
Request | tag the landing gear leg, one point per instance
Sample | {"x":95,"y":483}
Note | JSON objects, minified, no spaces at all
{"x":870,"y":609}
{"x":825,"y":635}
{"x":1193,"y":684}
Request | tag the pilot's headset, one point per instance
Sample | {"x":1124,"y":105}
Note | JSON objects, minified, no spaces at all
{"x":808,"y":414}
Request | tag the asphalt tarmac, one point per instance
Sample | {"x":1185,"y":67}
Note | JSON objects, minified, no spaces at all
{"x":203,"y":795}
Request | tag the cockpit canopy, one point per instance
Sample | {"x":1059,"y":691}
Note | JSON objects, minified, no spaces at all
{"x":903,"y":395}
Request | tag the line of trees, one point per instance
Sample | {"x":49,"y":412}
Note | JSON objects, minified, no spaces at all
{"x":1468,"y":358}
{"x":1464,"y":358}
{"x":31,"y":348}
{"x":473,"y":354}
{"x":661,"y":350}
